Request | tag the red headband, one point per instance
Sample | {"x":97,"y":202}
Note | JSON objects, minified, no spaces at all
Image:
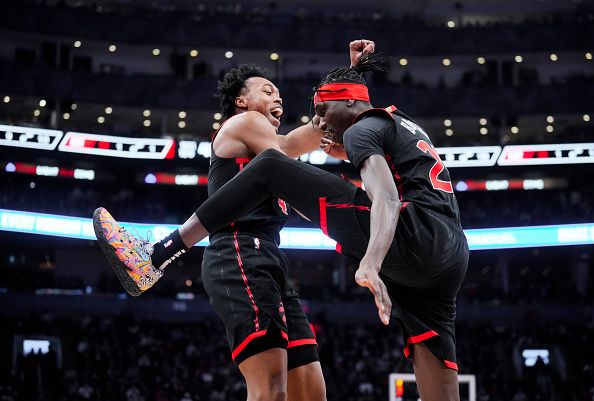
{"x":341,"y":91}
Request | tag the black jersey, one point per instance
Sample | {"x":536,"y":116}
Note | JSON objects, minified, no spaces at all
{"x":266,"y":219}
{"x":418,"y":171}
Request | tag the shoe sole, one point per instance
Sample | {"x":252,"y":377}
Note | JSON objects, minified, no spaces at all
{"x":117,"y":265}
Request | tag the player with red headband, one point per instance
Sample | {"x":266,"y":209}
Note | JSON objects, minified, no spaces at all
{"x":404,"y":228}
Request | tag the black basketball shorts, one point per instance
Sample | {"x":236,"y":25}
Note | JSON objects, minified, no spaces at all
{"x":423,"y":270}
{"x":246,"y":280}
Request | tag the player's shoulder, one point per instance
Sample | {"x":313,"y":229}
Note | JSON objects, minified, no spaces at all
{"x":250,"y":123}
{"x":371,"y":123}
{"x":247,"y":118}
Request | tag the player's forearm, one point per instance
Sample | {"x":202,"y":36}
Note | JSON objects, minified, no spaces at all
{"x":301,"y":140}
{"x":385,"y":211}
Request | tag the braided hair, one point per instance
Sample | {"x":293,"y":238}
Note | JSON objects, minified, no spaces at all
{"x":233,"y":84}
{"x":367,"y":63}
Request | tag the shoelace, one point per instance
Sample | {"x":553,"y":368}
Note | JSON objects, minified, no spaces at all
{"x":143,"y":245}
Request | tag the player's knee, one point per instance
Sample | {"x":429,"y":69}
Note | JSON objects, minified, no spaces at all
{"x":275,"y":153}
{"x":273,"y":392}
{"x":268,"y":158}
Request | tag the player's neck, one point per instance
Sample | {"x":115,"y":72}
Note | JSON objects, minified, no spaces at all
{"x":360,"y":107}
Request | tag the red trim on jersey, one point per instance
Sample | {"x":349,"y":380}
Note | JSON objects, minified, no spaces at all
{"x":304,"y":341}
{"x":417,"y":339}
{"x":450,"y":364}
{"x":404,"y":204}
{"x":284,"y":335}
{"x":341,"y":91}
{"x":323,"y":220}
{"x":245,"y":343}
{"x":390,"y":109}
{"x":338,"y":248}
{"x":245,"y":282}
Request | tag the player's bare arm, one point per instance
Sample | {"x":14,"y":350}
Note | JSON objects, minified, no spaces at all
{"x":303,"y":139}
{"x":385,"y":210}
{"x":248,"y":133}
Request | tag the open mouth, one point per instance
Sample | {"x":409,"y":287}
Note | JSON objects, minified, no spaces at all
{"x":277,"y":112}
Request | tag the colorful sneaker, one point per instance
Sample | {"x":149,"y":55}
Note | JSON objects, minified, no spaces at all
{"x":130,"y":257}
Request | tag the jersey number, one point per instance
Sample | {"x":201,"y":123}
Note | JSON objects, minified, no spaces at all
{"x":438,"y":167}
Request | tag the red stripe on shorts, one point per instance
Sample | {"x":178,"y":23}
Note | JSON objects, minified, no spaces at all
{"x":323,"y":221}
{"x":245,"y":281}
{"x":245,"y":343}
{"x":417,"y":339}
{"x":304,"y":341}
{"x":450,"y":364}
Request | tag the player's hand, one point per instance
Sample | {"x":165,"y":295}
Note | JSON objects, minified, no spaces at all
{"x":367,"y":275}
{"x":333,"y":149}
{"x":360,"y":48}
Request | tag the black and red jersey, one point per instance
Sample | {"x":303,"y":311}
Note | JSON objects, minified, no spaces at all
{"x":418,"y":171}
{"x":265,"y":220}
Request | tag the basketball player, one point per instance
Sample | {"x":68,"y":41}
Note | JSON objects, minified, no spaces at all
{"x":404,"y":228}
{"x":244,"y":272}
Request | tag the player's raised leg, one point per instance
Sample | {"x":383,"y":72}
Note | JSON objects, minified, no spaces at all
{"x":139,"y":264}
